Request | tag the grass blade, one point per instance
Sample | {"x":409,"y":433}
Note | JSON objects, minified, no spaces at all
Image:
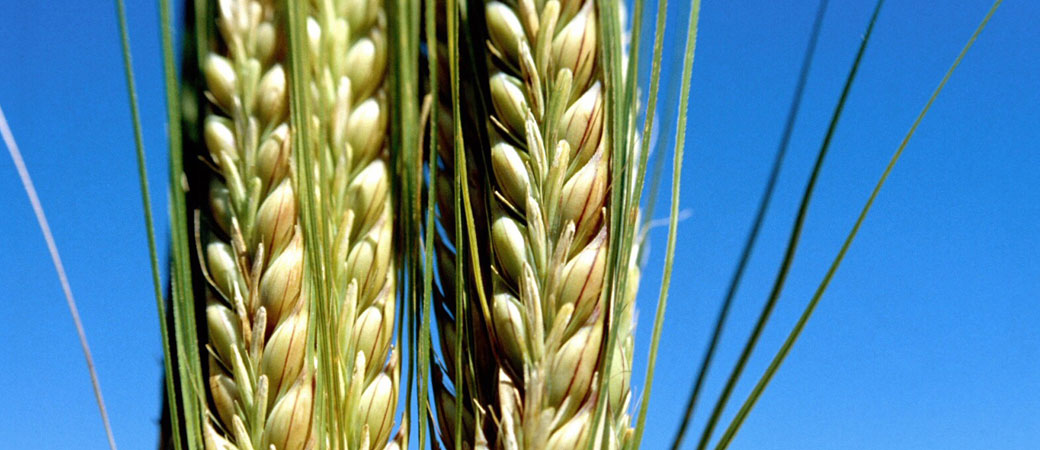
{"x":671,"y":91}
{"x":792,"y":243}
{"x":430,"y":16}
{"x":185,"y":338}
{"x":328,"y":385}
{"x":680,"y":138}
{"x":651,"y":106}
{"x":609,"y":41}
{"x":632,"y":69}
{"x":745,"y":409}
{"x":460,"y":187}
{"x":405,"y":130}
{"x":41,"y":218}
{"x":146,"y":205}
{"x":752,"y":237}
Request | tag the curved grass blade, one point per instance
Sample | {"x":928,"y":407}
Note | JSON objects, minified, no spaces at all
{"x":662,"y":140}
{"x":745,"y":409}
{"x":752,"y":237}
{"x":405,"y":127}
{"x":632,"y":70}
{"x":792,"y":243}
{"x":203,"y":27}
{"x":430,"y":18}
{"x":610,"y":54}
{"x":320,"y":339}
{"x":41,"y":218}
{"x":185,"y":337}
{"x":146,"y":205}
{"x":651,"y":106}
{"x":680,"y":136}
{"x":465,"y":63}
{"x":460,"y":187}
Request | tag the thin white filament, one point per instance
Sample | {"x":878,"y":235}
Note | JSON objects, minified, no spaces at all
{"x":23,"y":173}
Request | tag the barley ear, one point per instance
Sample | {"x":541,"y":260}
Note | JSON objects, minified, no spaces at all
{"x":256,"y":307}
{"x":551,"y":156}
{"x":347,"y":55}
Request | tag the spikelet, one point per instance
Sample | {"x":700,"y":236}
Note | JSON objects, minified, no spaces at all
{"x":256,"y":308}
{"x":550,"y":157}
{"x":347,"y":46}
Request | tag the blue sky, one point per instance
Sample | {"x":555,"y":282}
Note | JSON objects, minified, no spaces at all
{"x":927,"y":338}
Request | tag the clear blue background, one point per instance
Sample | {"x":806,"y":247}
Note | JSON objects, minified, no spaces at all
{"x":929,"y":336}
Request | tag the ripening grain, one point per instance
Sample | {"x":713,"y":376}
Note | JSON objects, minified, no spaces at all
{"x":256,"y":309}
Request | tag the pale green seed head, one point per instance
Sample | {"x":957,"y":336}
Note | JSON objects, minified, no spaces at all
{"x":573,"y":434}
{"x":510,"y":327}
{"x":510,"y":104}
{"x":272,"y":97}
{"x":510,"y":246}
{"x":225,"y":330}
{"x":575,"y":47}
{"x":367,"y":194}
{"x":360,"y":13}
{"x":366,"y":130}
{"x":283,"y":356}
{"x":289,"y":424}
{"x":221,"y":81}
{"x":620,"y":376}
{"x":220,"y":205}
{"x":582,"y":281}
{"x":365,"y":64}
{"x":581,"y":125}
{"x":220,"y":260}
{"x":313,"y":36}
{"x":377,"y":411}
{"x":340,"y":114}
{"x":272,"y":162}
{"x":367,"y":334}
{"x":511,"y":173}
{"x":220,"y":140}
{"x":369,"y":262}
{"x":266,"y":42}
{"x":276,"y":218}
{"x":583,"y":196}
{"x":225,"y":394}
{"x":572,"y":369}
{"x":504,"y":29}
{"x":281,"y":283}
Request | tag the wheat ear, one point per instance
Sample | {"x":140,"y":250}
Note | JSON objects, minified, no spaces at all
{"x":256,"y":310}
{"x":550,"y":158}
{"x":348,"y":62}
